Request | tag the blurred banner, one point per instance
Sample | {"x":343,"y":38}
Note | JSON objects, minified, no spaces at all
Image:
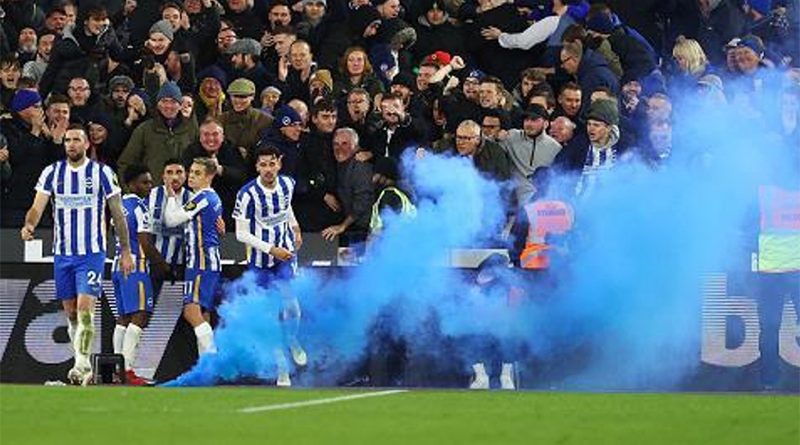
{"x":34,"y":342}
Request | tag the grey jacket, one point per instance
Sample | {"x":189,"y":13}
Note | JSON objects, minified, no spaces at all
{"x":526,"y":155}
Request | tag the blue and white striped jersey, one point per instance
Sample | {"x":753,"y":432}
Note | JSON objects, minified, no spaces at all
{"x":79,"y":199}
{"x":168,"y":240}
{"x":202,"y":239}
{"x":138,"y":219}
{"x":267,"y":213}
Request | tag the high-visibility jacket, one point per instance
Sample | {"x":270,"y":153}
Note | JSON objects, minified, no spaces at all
{"x":544,"y":217}
{"x":407,"y":208}
{"x":779,"y":235}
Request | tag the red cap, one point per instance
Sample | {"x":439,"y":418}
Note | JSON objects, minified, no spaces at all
{"x":439,"y":58}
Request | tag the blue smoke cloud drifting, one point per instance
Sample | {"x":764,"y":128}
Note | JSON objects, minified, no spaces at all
{"x":628,"y":301}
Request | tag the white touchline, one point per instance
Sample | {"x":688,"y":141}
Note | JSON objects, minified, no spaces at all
{"x":280,"y":406}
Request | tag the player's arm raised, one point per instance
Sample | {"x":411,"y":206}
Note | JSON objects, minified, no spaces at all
{"x":121,"y":225}
{"x":34,"y":215}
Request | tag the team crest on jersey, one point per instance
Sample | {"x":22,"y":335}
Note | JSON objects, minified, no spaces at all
{"x":89,"y":185}
{"x":190,"y":206}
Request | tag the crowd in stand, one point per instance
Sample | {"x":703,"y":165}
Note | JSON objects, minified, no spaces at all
{"x":344,"y":88}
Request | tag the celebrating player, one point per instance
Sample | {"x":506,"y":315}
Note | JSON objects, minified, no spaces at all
{"x":168,"y":240}
{"x":134,"y":293}
{"x":202,"y":213}
{"x":265,"y":223}
{"x":80,"y":188}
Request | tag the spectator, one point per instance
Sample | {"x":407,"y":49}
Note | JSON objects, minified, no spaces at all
{"x":270,"y":97}
{"x":354,"y":189}
{"x":26,"y":45}
{"x":243,"y":19}
{"x":503,"y":63}
{"x":80,"y":51}
{"x":495,"y":125}
{"x":9,"y":79}
{"x":104,"y":145}
{"x":720,"y":21}
{"x":549,"y":29}
{"x":285,"y":134}
{"x":211,"y":99}
{"x":57,"y":117}
{"x":355,"y":71}
{"x":297,"y":72}
{"x":55,"y":20}
{"x":590,"y":70}
{"x":315,"y":203}
{"x":35,"y":68}
{"x":528,"y":149}
{"x":29,"y":152}
{"x":324,"y":30}
{"x":603,"y":150}
{"x":243,"y":124}
{"x":397,"y":131}
{"x":246,"y":63}
{"x":570,"y":101}
{"x":203,"y":26}
{"x":119,"y":88}
{"x":232,"y":170}
{"x":81,"y":100}
{"x":691,"y":64}
{"x":162,"y":137}
{"x":357,"y":113}
{"x":435,"y":32}
{"x":488,"y":156}
{"x":637,"y":60}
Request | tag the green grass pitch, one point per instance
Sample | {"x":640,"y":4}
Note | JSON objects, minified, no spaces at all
{"x":124,"y":415}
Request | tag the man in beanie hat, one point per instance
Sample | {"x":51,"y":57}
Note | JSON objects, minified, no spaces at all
{"x":603,"y":151}
{"x":211,"y":98}
{"x":164,"y":136}
{"x":29,"y":151}
{"x":285,"y":133}
{"x":244,"y":124}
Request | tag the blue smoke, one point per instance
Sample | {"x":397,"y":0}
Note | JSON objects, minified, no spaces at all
{"x":626,"y":311}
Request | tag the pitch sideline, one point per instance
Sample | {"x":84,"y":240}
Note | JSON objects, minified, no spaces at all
{"x":292,"y":405}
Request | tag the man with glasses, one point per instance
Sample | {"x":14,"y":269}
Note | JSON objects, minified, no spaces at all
{"x":487,"y":156}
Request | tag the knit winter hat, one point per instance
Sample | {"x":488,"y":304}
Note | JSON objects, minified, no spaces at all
{"x":754,"y":43}
{"x":163,"y":27}
{"x":170,"y":90}
{"x":604,"y":110}
{"x":213,"y":72}
{"x":601,"y":23}
{"x":286,"y":116}
{"x":23,"y":99}
{"x":323,"y":76}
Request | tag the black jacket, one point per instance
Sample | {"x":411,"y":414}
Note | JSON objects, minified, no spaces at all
{"x":78,"y":55}
{"x":410,"y":134}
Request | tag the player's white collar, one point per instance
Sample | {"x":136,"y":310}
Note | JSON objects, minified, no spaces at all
{"x":130,"y":195}
{"x":265,"y":186}
{"x":84,"y":164}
